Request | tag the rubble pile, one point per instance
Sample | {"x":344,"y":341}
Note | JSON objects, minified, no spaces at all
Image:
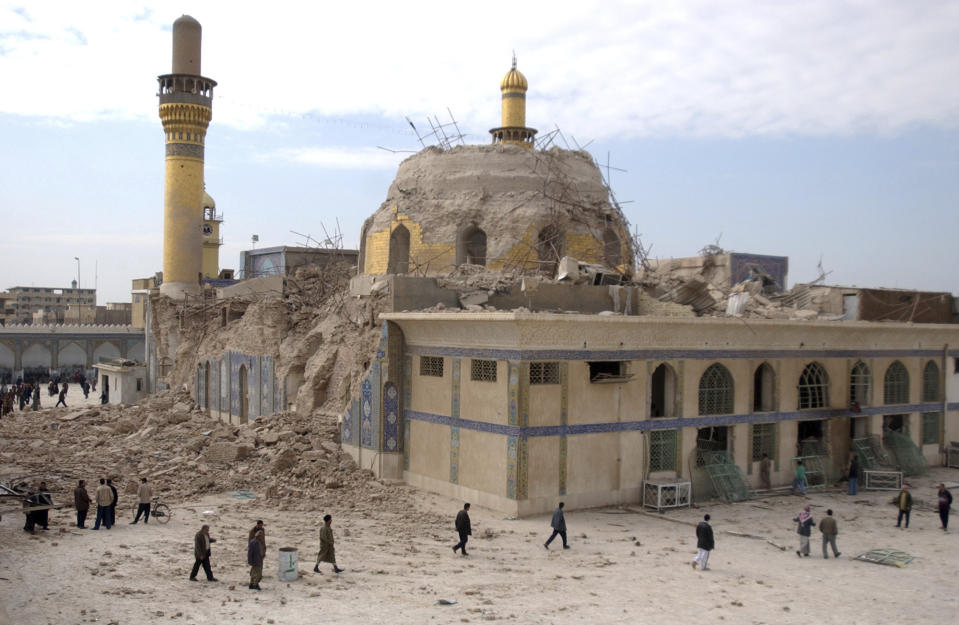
{"x":287,"y":457}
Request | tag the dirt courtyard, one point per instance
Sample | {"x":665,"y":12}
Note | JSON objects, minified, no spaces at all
{"x":623,"y":566}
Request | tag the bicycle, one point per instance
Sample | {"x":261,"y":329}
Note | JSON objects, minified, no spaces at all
{"x":159,"y":511}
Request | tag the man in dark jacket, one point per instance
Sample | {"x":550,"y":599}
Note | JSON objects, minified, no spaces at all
{"x":255,"y":552}
{"x":201,"y":551}
{"x":113,"y":506}
{"x":81,"y":501}
{"x":945,"y":500}
{"x":44,"y":499}
{"x":463,"y":528}
{"x":704,"y":543}
{"x":559,"y":527}
{"x":804,"y":529}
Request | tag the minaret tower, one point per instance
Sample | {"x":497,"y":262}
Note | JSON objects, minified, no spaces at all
{"x":514,"y":130}
{"x":186,"y":107}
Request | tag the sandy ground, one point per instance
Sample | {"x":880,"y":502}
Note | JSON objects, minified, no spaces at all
{"x":623,"y":566}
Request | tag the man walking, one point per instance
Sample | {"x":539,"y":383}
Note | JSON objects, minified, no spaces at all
{"x":559,"y":527}
{"x":905,"y":506}
{"x":255,"y":552}
{"x":854,"y":475}
{"x":104,"y":497}
{"x":804,"y":529}
{"x":113,"y":505}
{"x":327,"y":553}
{"x":201,"y":551}
{"x":945,"y":500}
{"x":829,"y":531}
{"x":144,"y":497}
{"x":704,"y":543}
{"x":63,"y":396}
{"x":81,"y":501}
{"x":463,"y":528}
{"x":799,"y":478}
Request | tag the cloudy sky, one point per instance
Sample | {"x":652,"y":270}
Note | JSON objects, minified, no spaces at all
{"x":807,"y":129}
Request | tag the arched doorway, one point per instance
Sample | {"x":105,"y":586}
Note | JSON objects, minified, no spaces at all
{"x":662,"y":400}
{"x":399,"y":250}
{"x":471,"y":247}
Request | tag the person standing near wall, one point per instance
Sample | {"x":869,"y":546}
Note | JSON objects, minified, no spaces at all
{"x":799,"y":478}
{"x":904,"y":502}
{"x":144,"y":497}
{"x":81,"y":501}
{"x":804,"y":529}
{"x":854,"y":475}
{"x":463,"y":528}
{"x":829,"y":530}
{"x":113,"y":505}
{"x":945,"y":500}
{"x":558,"y":524}
{"x":704,"y":543}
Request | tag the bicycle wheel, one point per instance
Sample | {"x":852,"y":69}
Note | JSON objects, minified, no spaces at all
{"x":162,"y":513}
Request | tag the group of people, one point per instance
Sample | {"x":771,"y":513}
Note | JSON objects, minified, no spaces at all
{"x":105,"y":497}
{"x":36,"y":508}
{"x":22,"y":394}
{"x":256,"y":552}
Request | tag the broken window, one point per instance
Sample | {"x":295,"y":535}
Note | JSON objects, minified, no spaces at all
{"x":399,"y":261}
{"x":544,"y":373}
{"x":931,"y":428}
{"x":662,"y":399}
{"x":431,"y":366}
{"x":612,"y":248}
{"x":813,"y":387}
{"x":608,"y":371}
{"x":550,"y":247}
{"x":896,"y":384}
{"x":471,"y":247}
{"x":482,"y":370}
{"x":716,"y":391}
{"x":764,"y":388}
{"x":860,"y":384}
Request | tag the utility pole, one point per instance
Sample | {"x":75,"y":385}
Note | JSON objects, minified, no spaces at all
{"x":77,"y":258}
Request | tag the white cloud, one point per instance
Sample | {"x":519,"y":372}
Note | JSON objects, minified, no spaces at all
{"x":597,"y":69}
{"x":338,"y":157}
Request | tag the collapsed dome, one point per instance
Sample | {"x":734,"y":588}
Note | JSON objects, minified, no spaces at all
{"x":501,"y":206}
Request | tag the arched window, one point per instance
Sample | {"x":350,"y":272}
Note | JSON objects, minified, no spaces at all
{"x":471,"y":247}
{"x":550,"y":247}
{"x":716,"y":391}
{"x":612,"y":248}
{"x":813,"y":387}
{"x":399,"y":250}
{"x":860,"y":384}
{"x":930,"y":382}
{"x":764,"y":388}
{"x":896,"y":384}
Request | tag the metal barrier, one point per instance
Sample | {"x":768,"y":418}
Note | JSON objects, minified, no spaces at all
{"x":882,"y":480}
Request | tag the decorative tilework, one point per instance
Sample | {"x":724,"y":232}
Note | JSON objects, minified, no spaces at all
{"x":366,"y":414}
{"x":406,"y":444}
{"x":512,"y":454}
{"x":346,"y":428}
{"x":522,"y":417}
{"x":672,"y":424}
{"x":391,"y":420}
{"x":376,"y":406}
{"x":454,"y":420}
{"x":522,"y":468}
{"x":513,"y":393}
{"x":563,"y":420}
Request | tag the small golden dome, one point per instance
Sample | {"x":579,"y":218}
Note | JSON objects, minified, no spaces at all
{"x":208,"y":201}
{"x":514,"y":79}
